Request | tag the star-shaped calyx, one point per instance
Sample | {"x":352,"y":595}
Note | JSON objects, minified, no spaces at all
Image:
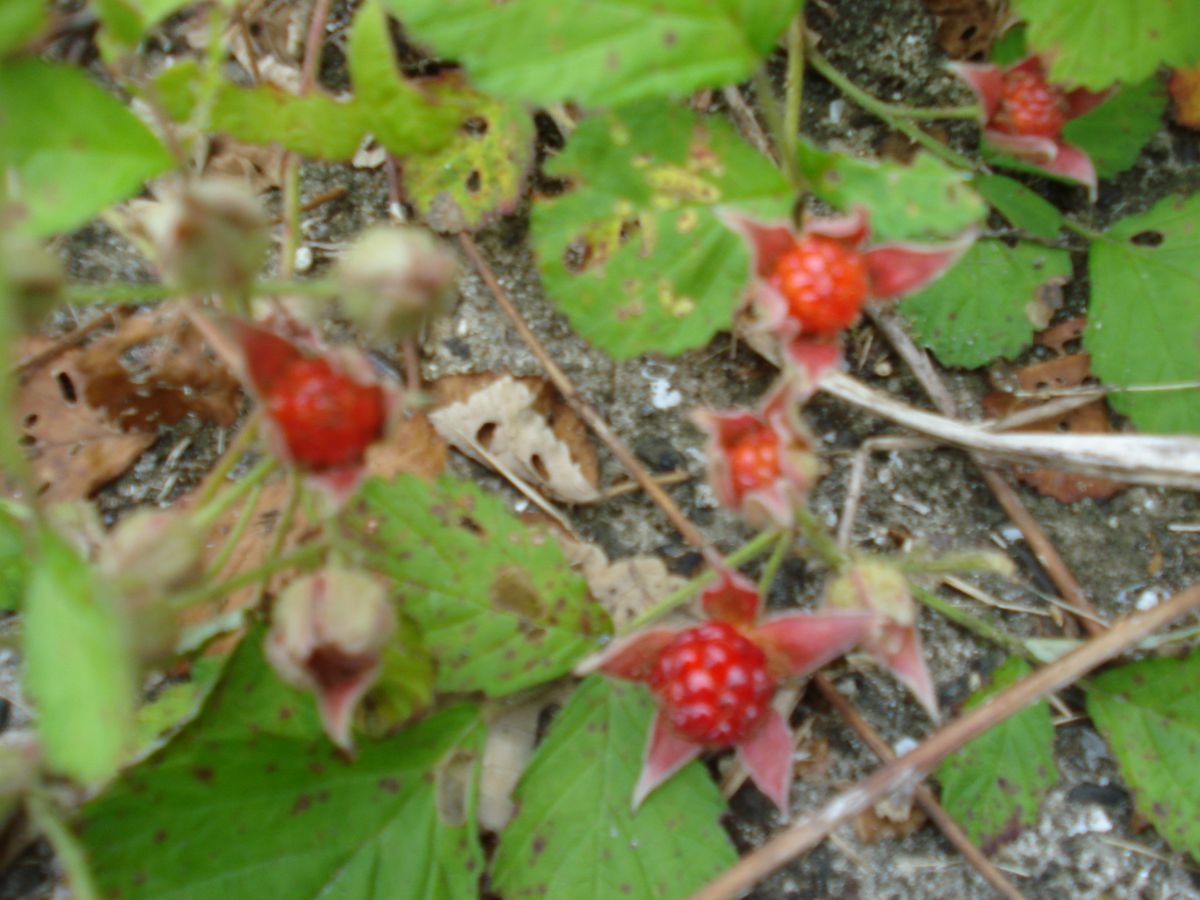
{"x":809,"y":284}
{"x":714,"y":682}
{"x":1023,"y":116}
{"x":761,"y":462}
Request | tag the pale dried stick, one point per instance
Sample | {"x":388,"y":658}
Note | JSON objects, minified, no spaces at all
{"x":581,"y":408}
{"x":905,"y":772}
{"x":954,"y":834}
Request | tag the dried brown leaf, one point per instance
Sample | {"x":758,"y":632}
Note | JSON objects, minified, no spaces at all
{"x":74,"y":448}
{"x":413,"y":445}
{"x":154,"y":370}
{"x":624,"y":587}
{"x":1060,"y":372}
{"x":525,"y":425}
{"x":966,"y":28}
{"x":1184,"y":87}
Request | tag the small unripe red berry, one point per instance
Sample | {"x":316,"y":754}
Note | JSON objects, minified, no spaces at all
{"x":1031,"y":106}
{"x":824,"y":283}
{"x":327,"y":418}
{"x":714,"y":684}
{"x":754,"y":460}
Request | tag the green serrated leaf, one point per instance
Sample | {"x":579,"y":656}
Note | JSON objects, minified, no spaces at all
{"x":1023,"y":207}
{"x":926,"y":199}
{"x":20,"y":20}
{"x":78,"y":665}
{"x":1149,"y":712}
{"x":403,"y":118}
{"x":1092,"y":45}
{"x":499,"y":606}
{"x":977,"y":311}
{"x":634,"y":253}
{"x":481,"y":173}
{"x":605,"y":54}
{"x":1114,"y":133}
{"x":575,"y":837}
{"x":1144,"y":319}
{"x":994,"y":786}
{"x":57,"y":132}
{"x":251,"y":800}
{"x":313,"y":125}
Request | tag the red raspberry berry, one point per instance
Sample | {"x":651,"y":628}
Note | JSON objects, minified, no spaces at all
{"x":1031,"y":106}
{"x":713,"y":684}
{"x":824,"y":283}
{"x":754,"y":460}
{"x":327,"y":418}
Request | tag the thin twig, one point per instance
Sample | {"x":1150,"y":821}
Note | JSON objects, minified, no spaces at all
{"x":954,"y":834}
{"x":906,"y":771}
{"x":594,"y":420}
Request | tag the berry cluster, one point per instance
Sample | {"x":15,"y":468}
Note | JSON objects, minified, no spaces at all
{"x":1030,"y":105}
{"x":327,"y":418}
{"x":713,"y":684}
{"x":824,"y":283}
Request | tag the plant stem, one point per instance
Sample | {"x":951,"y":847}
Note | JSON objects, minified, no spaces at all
{"x":235,"y":534}
{"x":977,"y":625}
{"x":47,"y":820}
{"x":898,"y":117}
{"x":819,"y":538}
{"x":282,"y":527}
{"x":771,"y":112}
{"x":775,"y":560}
{"x":683,"y":593}
{"x":794,"y":95}
{"x":207,"y":515}
{"x":310,"y":551}
{"x":216,"y":478}
{"x":86,"y":294}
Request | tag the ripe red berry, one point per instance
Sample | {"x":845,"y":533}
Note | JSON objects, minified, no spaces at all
{"x":824,"y":283}
{"x":1031,"y":106}
{"x":754,"y":460}
{"x":327,"y":418}
{"x":713,"y":684}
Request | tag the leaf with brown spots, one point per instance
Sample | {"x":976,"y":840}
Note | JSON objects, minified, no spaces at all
{"x":250,"y":800}
{"x":522,"y":423}
{"x":1061,"y":372}
{"x":1150,"y":713}
{"x":575,"y":836}
{"x":994,"y":786}
{"x":481,"y":173}
{"x":1184,"y":88}
{"x":500,"y":607}
{"x":634,"y":252}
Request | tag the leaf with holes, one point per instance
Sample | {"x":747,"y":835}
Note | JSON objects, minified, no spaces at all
{"x":403,"y":118}
{"x":1144,"y":321}
{"x":994,"y":786}
{"x":500,"y":608}
{"x":79,"y":666}
{"x":481,"y":173}
{"x":1092,"y":45}
{"x":634,"y":252}
{"x":604,"y":54}
{"x":252,"y":800}
{"x":980,"y":309}
{"x":575,"y":837}
{"x":1023,"y":207}
{"x":1114,"y":133}
{"x":58,"y":130}
{"x":925,"y":199}
{"x":1149,"y":711}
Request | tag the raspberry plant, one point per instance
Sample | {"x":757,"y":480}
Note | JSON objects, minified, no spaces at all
{"x":325,"y":734}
